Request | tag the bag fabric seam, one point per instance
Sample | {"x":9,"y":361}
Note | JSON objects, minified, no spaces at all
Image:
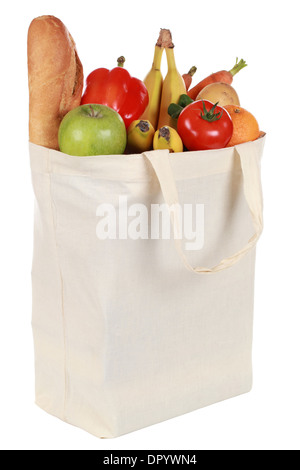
{"x":124,"y":180}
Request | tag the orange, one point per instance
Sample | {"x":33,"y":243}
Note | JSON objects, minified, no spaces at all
{"x":245,"y":126}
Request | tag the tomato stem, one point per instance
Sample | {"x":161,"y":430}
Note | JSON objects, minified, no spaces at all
{"x":211,"y":116}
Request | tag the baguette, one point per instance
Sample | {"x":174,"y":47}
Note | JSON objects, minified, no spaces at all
{"x":55,"y":78}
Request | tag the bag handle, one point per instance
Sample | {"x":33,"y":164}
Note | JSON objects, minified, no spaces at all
{"x":250,"y":164}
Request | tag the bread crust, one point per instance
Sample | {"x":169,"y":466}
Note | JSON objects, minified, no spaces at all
{"x":55,"y":78}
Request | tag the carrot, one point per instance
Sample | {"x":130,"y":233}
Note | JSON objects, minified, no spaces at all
{"x":187,"y":77}
{"x":222,"y":76}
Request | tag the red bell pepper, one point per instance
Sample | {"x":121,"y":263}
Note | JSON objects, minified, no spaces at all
{"x":118,"y":90}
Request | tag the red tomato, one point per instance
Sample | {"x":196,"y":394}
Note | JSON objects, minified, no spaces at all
{"x":204,"y":126}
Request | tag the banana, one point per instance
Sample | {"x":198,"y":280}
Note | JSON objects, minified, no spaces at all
{"x":173,"y":87}
{"x":167,"y":138}
{"x":140,"y":136}
{"x":153,"y":82}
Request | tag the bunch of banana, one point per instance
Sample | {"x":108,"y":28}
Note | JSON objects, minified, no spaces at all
{"x":154,"y":83}
{"x":173,"y":86}
{"x":161,"y":94}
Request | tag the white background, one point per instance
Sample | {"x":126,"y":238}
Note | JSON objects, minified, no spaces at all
{"x":209,"y":35}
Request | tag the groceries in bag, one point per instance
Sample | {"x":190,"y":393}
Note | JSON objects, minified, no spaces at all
{"x":137,"y":115}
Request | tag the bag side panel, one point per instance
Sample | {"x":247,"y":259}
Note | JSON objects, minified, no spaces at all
{"x":47,"y":307}
{"x":85,"y":265}
{"x":148,"y":340}
{"x":177,"y":341}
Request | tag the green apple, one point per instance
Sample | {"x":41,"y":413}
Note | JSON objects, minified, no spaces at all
{"x":92,"y":129}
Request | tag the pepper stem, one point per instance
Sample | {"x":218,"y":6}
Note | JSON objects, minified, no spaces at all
{"x":121,"y":61}
{"x":238,"y":66}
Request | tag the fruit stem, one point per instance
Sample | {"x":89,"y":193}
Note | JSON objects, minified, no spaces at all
{"x":211,"y":116}
{"x":92,"y":110}
{"x":93,"y":113}
{"x":238,"y":66}
{"x":121,"y":61}
{"x":171,"y":58}
{"x":165,"y":39}
{"x":158,"y":51}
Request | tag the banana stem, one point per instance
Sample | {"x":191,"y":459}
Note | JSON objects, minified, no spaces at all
{"x":165,"y":38}
{"x":158,"y":51}
{"x":170,"y":58}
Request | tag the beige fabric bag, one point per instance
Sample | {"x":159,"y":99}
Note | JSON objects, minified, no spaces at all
{"x":129,"y":333}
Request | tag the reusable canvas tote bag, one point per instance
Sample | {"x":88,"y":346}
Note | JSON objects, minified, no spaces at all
{"x":131,"y":331}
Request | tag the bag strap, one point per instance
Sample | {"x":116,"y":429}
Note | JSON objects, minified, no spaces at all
{"x":250,"y":164}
